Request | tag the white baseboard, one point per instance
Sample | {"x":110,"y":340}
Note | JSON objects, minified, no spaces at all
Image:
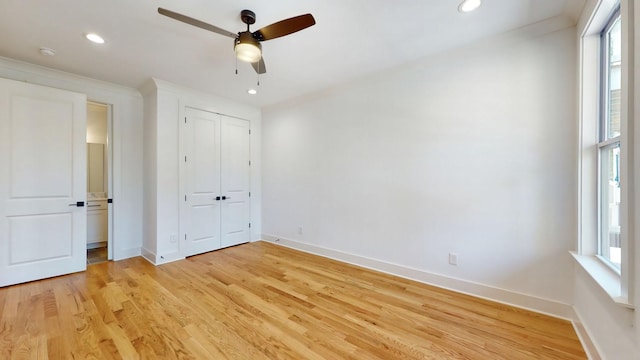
{"x":148,"y":255}
{"x":524,"y":301}
{"x":583,"y":334}
{"x":156,"y":259}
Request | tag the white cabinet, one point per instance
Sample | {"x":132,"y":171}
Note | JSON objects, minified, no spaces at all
{"x":215,"y":209}
{"x":97,"y":223}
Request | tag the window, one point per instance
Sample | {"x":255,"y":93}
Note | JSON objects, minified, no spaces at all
{"x":609,"y":245}
{"x":606,"y":216}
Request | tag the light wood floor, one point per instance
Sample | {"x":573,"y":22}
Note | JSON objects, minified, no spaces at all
{"x":263,"y":301}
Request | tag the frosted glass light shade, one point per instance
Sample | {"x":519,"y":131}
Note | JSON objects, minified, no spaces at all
{"x":248,"y":52}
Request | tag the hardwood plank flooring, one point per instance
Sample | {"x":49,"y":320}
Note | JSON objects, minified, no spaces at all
{"x":263,"y":301}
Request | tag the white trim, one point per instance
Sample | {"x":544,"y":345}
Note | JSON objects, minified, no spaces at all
{"x":37,"y":74}
{"x":148,"y":255}
{"x":156,"y":259}
{"x":605,"y":277}
{"x":169,"y":257}
{"x":585,"y":339}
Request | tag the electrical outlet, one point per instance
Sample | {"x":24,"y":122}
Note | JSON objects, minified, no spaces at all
{"x":453,"y":259}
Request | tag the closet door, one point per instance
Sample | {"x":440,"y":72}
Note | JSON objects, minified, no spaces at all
{"x":235,"y":175}
{"x":201,"y":215}
{"x":42,"y":182}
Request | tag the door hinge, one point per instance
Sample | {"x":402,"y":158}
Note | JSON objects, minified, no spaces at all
{"x":185,"y":198}
{"x":249,"y":162}
{"x":249,"y":193}
{"x":249,"y":225}
{"x":185,"y":119}
{"x":249,"y":131}
{"x":185,"y":236}
{"x":185,"y":158}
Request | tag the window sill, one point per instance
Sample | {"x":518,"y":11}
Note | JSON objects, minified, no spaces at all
{"x":605,"y":277}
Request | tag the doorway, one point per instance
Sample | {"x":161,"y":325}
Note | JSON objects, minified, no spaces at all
{"x":99,"y":190}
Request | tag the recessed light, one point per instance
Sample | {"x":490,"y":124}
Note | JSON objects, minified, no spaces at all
{"x":93,"y":37}
{"x":252,"y":91}
{"x":469,"y":5}
{"x":45,"y":51}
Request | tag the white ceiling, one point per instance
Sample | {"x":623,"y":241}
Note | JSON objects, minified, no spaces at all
{"x":350,"y":39}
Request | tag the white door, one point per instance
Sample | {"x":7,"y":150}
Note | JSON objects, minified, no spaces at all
{"x":201,"y":210}
{"x":42,"y":180}
{"x":235,"y":175}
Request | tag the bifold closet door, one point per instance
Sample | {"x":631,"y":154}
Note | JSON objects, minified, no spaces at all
{"x":216,"y":211}
{"x":201,"y":214}
{"x":43,"y":182}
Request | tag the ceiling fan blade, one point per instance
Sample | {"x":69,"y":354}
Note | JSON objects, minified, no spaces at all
{"x":284,"y":27}
{"x":259,"y":66}
{"x":195,"y":22}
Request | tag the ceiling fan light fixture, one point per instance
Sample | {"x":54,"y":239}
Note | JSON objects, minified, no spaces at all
{"x":469,"y":5}
{"x":247,"y":48}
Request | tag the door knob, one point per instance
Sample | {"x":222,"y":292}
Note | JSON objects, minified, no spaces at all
{"x":217,"y":198}
{"x":78,"y":204}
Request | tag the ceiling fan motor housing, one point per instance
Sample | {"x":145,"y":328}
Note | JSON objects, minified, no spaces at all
{"x":248,"y":17}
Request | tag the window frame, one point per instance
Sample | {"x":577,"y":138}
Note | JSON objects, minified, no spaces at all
{"x":620,"y":286}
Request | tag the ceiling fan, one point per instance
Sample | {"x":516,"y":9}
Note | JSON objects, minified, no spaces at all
{"x":246,"y":43}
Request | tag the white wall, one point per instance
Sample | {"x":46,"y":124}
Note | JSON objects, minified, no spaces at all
{"x":471,"y":152}
{"x":127,"y":146}
{"x":164,"y":109}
